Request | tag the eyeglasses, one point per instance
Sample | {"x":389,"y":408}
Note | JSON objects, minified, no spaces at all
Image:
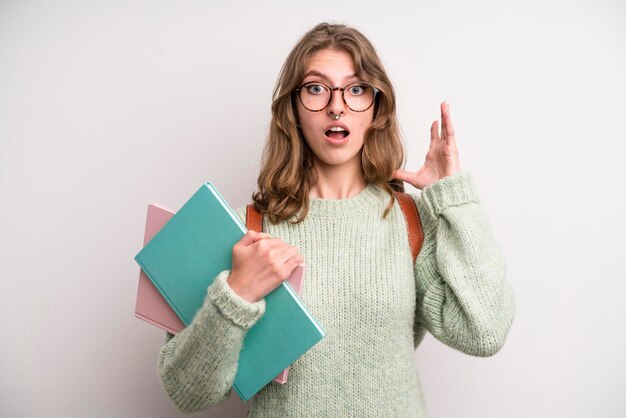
{"x":315,"y":96}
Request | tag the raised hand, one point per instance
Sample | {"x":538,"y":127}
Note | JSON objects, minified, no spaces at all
{"x":442,"y":159}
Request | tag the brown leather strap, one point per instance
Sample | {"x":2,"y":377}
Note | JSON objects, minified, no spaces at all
{"x":414,"y":226}
{"x":254,"y":219}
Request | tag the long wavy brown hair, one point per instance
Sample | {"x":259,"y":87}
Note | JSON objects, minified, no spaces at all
{"x":287,"y":174}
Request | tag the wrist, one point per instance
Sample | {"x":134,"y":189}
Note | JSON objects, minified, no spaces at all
{"x":233,"y":283}
{"x":231,"y":305}
{"x":455,"y":190}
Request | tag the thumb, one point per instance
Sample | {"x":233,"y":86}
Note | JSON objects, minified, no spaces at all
{"x":248,"y":238}
{"x":257,"y":236}
{"x":402,"y":175}
{"x":252,"y":236}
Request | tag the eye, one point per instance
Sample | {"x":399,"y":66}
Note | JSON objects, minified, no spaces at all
{"x":315,"y":88}
{"x":356,"y":89}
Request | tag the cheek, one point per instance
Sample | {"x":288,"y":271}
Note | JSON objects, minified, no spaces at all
{"x":312,"y":124}
{"x":303,"y":122}
{"x":307,"y":128}
{"x":305,"y":118}
{"x":365,"y":122}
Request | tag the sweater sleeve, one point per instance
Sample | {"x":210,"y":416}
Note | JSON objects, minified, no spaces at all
{"x":198,"y":366}
{"x":463,"y":297}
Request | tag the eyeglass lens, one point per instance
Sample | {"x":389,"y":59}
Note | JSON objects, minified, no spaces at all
{"x":358,"y":97}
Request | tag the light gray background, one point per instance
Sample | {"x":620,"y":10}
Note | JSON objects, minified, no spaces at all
{"x":107,"y":106}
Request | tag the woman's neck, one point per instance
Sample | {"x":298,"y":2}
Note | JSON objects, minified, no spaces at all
{"x":337,"y":182}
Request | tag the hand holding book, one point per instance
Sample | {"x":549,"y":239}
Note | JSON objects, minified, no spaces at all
{"x":195,"y":246}
{"x":261,"y":264}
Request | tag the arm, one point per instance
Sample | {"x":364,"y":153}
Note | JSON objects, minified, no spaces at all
{"x":463,"y":297}
{"x":198,"y":366}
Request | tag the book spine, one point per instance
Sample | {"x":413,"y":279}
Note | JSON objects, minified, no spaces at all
{"x":225,"y":205}
{"x":296,"y":298}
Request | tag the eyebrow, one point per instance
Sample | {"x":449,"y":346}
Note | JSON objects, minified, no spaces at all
{"x":317,"y":73}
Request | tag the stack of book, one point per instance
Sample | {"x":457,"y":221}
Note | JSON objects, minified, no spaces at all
{"x":182,"y":255}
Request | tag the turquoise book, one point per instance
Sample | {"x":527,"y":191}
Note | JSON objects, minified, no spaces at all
{"x":184,"y":258}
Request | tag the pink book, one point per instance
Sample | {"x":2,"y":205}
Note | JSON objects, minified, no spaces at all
{"x":154,"y":309}
{"x":150,"y":305}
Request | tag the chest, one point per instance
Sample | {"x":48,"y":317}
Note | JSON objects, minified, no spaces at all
{"x":357,"y":270}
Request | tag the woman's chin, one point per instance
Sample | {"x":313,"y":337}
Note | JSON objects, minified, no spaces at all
{"x":336,"y":160}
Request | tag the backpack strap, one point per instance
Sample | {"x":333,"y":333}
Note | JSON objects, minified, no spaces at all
{"x":254,"y":219}
{"x":414,"y":226}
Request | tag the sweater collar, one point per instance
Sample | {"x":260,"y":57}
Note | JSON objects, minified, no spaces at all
{"x":368,"y":197}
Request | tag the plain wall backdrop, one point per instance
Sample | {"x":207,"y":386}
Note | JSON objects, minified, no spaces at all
{"x":106,"y":106}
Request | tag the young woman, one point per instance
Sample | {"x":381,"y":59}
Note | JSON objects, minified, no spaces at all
{"x":333,"y":156}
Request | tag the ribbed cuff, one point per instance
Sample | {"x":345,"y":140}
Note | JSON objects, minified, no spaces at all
{"x":454,"y":190}
{"x":231,"y":305}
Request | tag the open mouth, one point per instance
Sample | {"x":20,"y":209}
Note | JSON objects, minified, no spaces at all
{"x":337,"y":135}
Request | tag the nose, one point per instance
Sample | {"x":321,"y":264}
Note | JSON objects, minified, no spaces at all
{"x":336,"y":105}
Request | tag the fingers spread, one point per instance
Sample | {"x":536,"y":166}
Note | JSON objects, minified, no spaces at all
{"x":434,"y":131}
{"x":448,"y":129}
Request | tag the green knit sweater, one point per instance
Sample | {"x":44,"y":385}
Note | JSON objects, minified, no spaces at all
{"x":373,"y":303}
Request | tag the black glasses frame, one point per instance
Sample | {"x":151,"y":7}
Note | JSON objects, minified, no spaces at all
{"x":332,"y":91}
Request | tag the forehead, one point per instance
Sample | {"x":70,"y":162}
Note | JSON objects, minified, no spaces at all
{"x":333,"y":65}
